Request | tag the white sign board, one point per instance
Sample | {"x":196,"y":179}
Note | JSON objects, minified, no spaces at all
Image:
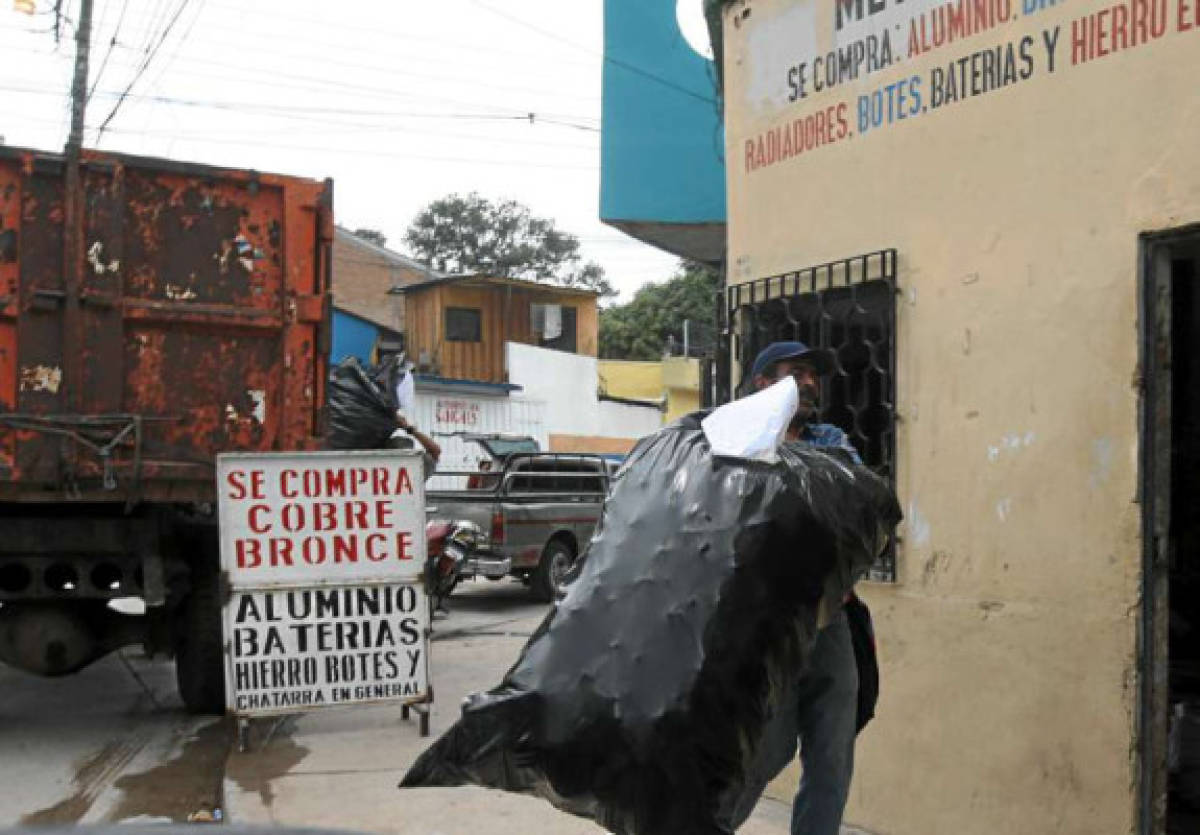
{"x":293,"y":649}
{"x":321,"y":517}
{"x":324,"y":554}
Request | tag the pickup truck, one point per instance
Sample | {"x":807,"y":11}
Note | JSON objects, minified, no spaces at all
{"x":538,"y":513}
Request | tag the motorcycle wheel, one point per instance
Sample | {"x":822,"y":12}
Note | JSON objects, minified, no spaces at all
{"x":446,"y":577}
{"x":445,"y":589}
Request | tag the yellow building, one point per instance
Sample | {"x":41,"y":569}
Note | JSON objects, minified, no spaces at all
{"x":674,"y":381}
{"x":991,"y":210}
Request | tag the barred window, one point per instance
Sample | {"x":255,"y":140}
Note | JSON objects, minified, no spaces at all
{"x":848,"y":307}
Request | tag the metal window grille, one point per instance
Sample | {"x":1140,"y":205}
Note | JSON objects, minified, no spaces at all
{"x":848,"y":307}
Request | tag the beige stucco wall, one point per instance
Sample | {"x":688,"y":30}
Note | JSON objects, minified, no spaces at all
{"x":1008,"y":645}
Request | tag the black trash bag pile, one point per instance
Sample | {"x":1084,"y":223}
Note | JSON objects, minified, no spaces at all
{"x":641,"y":699}
{"x":388,"y":374}
{"x":361,"y":407}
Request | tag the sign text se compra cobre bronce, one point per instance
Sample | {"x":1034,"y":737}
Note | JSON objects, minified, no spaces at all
{"x":327,"y":516}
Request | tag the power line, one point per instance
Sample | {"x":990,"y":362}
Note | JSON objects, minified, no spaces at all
{"x":99,"y":25}
{"x":142,"y":69}
{"x":340,"y":86}
{"x":445,"y":47}
{"x":108,"y":53}
{"x":58,"y":19}
{"x":345,"y":128}
{"x":389,"y":154}
{"x":170,"y":62}
{"x":391,"y":34}
{"x":666,"y":82}
{"x":514,"y":114}
{"x":300,"y":112}
{"x":534,"y":114}
{"x":512,"y":163}
{"x":358,"y":128}
{"x":152,"y":25}
{"x":564,"y":124}
{"x":327,"y":60}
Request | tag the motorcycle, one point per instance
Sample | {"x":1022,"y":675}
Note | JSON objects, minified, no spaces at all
{"x":449,"y":545}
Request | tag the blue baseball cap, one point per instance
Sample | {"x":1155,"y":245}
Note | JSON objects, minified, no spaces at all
{"x":821,"y":359}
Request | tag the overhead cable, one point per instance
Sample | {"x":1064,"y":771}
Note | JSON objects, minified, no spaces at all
{"x":666,"y":82}
{"x":142,"y":69}
{"x":108,"y":52}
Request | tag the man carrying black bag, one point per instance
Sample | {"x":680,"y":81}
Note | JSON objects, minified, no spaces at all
{"x":828,"y":707}
{"x":650,"y":698}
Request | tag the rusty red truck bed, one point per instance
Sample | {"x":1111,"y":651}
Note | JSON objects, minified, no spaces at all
{"x":193,"y":321}
{"x":157,"y":315}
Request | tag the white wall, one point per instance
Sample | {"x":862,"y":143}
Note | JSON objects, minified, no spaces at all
{"x":443,"y":412}
{"x":567,"y":385}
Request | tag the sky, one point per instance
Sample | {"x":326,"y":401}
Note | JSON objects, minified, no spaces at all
{"x":399,"y":101}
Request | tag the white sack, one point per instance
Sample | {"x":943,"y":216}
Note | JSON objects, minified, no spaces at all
{"x":754,"y":426}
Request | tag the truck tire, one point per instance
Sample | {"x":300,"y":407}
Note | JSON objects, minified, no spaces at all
{"x":556,"y":561}
{"x":199,"y":654}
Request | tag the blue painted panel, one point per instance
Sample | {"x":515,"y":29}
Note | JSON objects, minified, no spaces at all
{"x":662,"y":144}
{"x":352,"y":337}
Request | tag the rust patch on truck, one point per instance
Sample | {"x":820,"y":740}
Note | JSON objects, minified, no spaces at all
{"x":41,"y":378}
{"x":199,"y":314}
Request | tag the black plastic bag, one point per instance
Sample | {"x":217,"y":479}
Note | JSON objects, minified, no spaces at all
{"x":388,"y":374}
{"x":862,"y":638}
{"x":641,"y":698}
{"x":362,"y":413}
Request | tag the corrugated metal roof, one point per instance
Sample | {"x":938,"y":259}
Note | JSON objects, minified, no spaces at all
{"x":493,"y":279}
{"x":385,"y":253}
{"x":478,"y":386}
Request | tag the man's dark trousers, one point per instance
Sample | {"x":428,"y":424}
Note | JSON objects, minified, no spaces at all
{"x":822,"y":718}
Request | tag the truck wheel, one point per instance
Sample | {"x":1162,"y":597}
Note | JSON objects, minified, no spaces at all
{"x":556,"y":561}
{"x":199,"y":655}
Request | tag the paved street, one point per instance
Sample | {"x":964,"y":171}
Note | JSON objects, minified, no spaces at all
{"x":110,"y":744}
{"x":114,"y":744}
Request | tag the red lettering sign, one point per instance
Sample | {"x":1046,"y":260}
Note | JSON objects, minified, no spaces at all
{"x":462,"y":413}
{"x":295,"y":518}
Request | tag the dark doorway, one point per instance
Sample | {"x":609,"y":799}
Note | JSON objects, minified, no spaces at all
{"x":1170,"y":726}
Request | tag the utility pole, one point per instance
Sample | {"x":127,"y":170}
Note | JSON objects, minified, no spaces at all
{"x":83,"y":37}
{"x":686,"y":343}
{"x":73,"y":216}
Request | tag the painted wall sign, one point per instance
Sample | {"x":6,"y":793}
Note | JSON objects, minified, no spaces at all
{"x":958,"y":50}
{"x":456,"y":414}
{"x":324,"y":553}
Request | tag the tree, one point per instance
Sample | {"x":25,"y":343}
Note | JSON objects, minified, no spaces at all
{"x":463,"y":234}
{"x":373,"y":236}
{"x":644,"y":327}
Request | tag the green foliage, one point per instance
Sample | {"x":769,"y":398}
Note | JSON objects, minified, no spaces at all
{"x":371,"y":236}
{"x":471,"y":234}
{"x":643,"y":328}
